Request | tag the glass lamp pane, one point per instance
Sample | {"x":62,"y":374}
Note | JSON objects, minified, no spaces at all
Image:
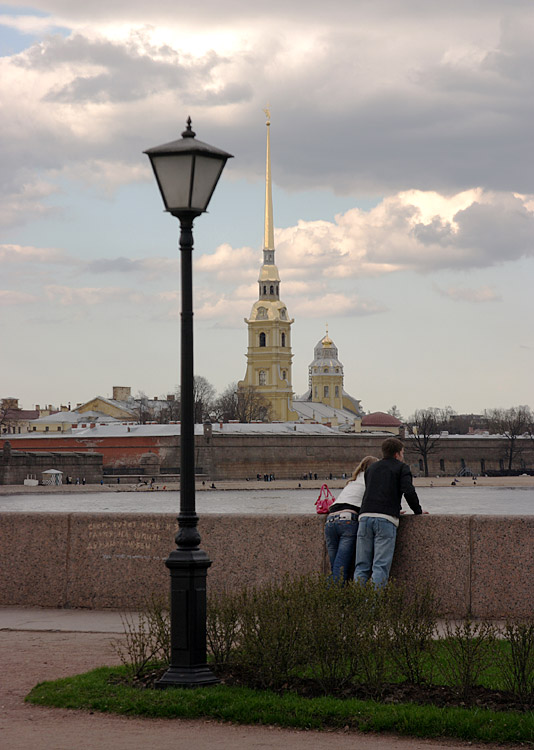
{"x":207,"y":173}
{"x":174,"y":178}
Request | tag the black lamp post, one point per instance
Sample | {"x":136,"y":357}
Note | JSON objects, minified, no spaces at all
{"x":187,"y":172}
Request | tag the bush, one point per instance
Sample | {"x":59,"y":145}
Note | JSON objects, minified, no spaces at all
{"x":369,"y":606}
{"x":468,"y":652}
{"x":330,"y":632}
{"x":223,"y":625}
{"x":147,"y":638}
{"x":413,"y":618}
{"x":337,"y":638}
{"x":270,"y":639}
{"x":517,"y":663}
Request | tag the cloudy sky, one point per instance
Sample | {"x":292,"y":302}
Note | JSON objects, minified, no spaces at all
{"x":402,"y":160}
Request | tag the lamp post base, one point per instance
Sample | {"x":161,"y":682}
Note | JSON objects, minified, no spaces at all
{"x":188,"y":666}
{"x":186,"y":677}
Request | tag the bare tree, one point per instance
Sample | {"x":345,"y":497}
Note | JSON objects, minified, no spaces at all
{"x":512,"y":423}
{"x":225,"y":406}
{"x":252,"y":405}
{"x":426,"y":425}
{"x":142,"y":409}
{"x":3,"y":418}
{"x":203,"y":397}
{"x":395,"y":412}
{"x":171,"y":411}
{"x":243,"y":404}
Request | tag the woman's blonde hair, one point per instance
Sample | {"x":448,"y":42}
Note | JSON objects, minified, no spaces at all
{"x":362,"y":466}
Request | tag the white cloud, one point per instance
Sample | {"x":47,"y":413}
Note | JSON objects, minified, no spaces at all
{"x":9,"y":297}
{"x":21,"y":201}
{"x":106,"y":175}
{"x":150,"y":268}
{"x":413,"y":230}
{"x":29,"y":254}
{"x":91,"y":296}
{"x":482,"y":294}
{"x":228,"y":263}
{"x":336,"y":305}
{"x":410,"y":231}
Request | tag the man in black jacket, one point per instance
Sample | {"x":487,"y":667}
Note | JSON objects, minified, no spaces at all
{"x":386,"y":481}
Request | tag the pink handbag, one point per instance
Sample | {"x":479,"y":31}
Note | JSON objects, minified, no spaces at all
{"x":325,"y":500}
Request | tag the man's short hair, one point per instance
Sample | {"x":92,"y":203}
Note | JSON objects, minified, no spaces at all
{"x":391,"y":446}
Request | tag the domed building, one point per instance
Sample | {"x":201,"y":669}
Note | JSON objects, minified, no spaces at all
{"x":325,"y":399}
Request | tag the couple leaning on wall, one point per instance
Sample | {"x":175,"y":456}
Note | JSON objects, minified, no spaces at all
{"x":366,"y":515}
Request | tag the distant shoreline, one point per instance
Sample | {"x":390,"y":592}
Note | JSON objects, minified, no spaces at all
{"x":278,"y":484}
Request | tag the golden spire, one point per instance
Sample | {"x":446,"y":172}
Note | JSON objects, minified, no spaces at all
{"x":268,"y":240}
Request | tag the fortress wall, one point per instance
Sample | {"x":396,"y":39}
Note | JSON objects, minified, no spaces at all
{"x":286,"y":455}
{"x":477,"y":564}
{"x":21,"y":464}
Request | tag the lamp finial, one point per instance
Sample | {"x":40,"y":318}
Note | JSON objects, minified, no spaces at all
{"x":188,"y":132}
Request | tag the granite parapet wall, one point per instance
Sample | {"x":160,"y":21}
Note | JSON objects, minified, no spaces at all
{"x":481,"y":565}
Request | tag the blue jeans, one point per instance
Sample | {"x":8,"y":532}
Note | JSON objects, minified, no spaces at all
{"x":374,"y":550}
{"x":340,"y":537}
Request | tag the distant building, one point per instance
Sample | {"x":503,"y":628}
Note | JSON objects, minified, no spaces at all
{"x":379,"y":421}
{"x":325,"y":400}
{"x":13,"y":419}
{"x":67,"y":421}
{"x":124,"y":407}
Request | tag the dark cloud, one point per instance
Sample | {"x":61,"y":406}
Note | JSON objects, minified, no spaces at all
{"x":500,"y":231}
{"x":376,"y":105}
{"x":231,"y":11}
{"x":133,"y":70}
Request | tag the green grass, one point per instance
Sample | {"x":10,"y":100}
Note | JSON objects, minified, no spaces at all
{"x":94,"y":691}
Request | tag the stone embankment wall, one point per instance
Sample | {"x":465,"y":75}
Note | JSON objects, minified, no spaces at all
{"x":480,"y":565}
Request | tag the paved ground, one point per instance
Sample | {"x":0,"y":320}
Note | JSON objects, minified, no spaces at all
{"x":39,"y":644}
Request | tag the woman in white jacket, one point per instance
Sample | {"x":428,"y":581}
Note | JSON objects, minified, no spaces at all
{"x":341,"y":525}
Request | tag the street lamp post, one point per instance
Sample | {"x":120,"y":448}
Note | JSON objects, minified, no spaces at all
{"x":187,"y":172}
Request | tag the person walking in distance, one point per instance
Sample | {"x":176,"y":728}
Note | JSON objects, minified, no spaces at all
{"x":341,"y":524}
{"x":386,"y":481}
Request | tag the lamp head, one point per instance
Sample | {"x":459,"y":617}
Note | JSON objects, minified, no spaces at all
{"x":187,"y":172}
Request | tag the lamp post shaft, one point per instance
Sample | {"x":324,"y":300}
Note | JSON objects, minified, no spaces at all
{"x":188,"y":536}
{"x":188,"y":565}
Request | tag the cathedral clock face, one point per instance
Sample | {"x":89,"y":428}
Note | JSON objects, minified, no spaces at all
{"x":262,"y":313}
{"x":283,"y":313}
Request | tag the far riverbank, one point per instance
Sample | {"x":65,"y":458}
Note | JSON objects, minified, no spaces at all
{"x":127,"y":485}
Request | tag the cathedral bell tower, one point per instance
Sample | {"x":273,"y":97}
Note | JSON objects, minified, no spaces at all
{"x":269,"y":325}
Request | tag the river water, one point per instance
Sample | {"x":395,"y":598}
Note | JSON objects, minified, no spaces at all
{"x":442,"y":500}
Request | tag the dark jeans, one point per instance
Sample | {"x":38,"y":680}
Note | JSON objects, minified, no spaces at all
{"x":340,"y":536}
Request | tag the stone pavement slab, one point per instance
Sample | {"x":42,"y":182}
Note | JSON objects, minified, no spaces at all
{"x":66,"y":620}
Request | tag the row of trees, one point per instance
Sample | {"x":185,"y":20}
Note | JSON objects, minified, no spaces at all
{"x":243,"y":405}
{"x":428,"y":425}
